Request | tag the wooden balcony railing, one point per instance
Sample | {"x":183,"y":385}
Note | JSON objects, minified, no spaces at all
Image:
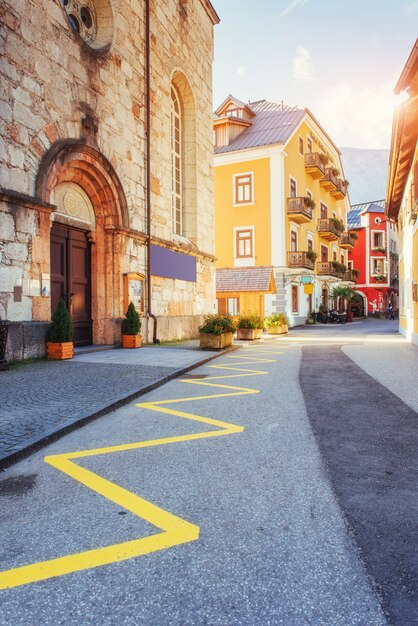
{"x":330,"y":268}
{"x":300,"y":260}
{"x":350,"y":276}
{"x":314,"y":164}
{"x":299,"y":210}
{"x":329,"y":181}
{"x":330,"y":227}
{"x":347,"y":241}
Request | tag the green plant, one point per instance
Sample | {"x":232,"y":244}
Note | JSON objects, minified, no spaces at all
{"x":60,"y":329}
{"x":322,"y":308}
{"x":309,"y":202}
{"x":338,"y":225}
{"x":383,"y":250}
{"x":347,"y":293}
{"x":353,"y":235}
{"x":355,"y":273}
{"x":345,"y":183}
{"x":339,"y":267}
{"x":277,"y":319}
{"x":380,"y":278}
{"x":217,"y":324}
{"x":311,"y":255}
{"x":132,"y":324}
{"x":252,"y":321}
{"x":394,"y":256}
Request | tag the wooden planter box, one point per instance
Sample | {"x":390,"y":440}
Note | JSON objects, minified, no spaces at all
{"x":278,"y":330}
{"x":215,"y":342}
{"x":249,"y":334}
{"x":60,"y":351}
{"x":131,"y":341}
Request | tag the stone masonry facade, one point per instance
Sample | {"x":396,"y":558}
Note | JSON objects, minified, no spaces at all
{"x":73,"y":112}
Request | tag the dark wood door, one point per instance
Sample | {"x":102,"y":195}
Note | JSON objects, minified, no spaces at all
{"x":71,"y":278}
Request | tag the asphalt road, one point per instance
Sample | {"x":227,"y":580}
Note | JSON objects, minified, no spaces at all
{"x":224,"y":513}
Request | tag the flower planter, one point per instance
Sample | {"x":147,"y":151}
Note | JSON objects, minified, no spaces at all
{"x":249,"y":334}
{"x":278,"y":330}
{"x":215,"y":342}
{"x":60,"y":351}
{"x":131,"y":341}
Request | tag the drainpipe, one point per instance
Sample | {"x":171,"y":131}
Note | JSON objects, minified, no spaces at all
{"x":148,"y":165}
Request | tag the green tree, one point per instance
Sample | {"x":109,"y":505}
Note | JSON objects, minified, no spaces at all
{"x":132,"y":324}
{"x":60,"y":329}
{"x":347,"y":293}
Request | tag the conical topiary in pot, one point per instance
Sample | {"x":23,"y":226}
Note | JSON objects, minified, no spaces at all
{"x":131,"y":326}
{"x":59,"y":335}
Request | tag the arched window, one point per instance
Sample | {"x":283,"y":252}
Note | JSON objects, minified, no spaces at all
{"x":176,"y":164}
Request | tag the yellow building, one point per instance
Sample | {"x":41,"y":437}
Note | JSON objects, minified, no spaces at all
{"x":402,"y":194}
{"x":280,"y":202}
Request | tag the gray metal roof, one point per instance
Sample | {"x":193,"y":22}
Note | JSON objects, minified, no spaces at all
{"x":353,"y":215}
{"x":274,"y":123}
{"x":243,"y":279}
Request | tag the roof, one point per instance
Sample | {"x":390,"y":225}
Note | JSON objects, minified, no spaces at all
{"x":353,"y":215}
{"x":409,"y":72}
{"x":244,"y":279}
{"x":274,"y":123}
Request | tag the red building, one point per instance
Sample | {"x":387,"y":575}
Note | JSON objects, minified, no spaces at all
{"x":375,"y":256}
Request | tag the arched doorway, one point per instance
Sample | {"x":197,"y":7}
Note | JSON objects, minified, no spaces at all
{"x":87,"y":238}
{"x":358,"y":305}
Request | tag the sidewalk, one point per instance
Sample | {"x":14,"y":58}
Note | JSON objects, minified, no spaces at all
{"x":41,"y":401}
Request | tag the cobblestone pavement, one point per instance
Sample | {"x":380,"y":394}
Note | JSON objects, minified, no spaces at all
{"x":40,"y":398}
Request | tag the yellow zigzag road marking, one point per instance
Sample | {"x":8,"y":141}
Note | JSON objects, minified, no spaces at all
{"x":174,"y":530}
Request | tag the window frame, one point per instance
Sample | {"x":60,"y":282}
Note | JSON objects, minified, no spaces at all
{"x":293,"y":240}
{"x":381,"y":260}
{"x":176,"y":158}
{"x":322,"y":206}
{"x":293,"y":180}
{"x":295,"y":298}
{"x":372,"y":235}
{"x":308,"y":145}
{"x":237,"y":239}
{"x":301,"y":141}
{"x":235,"y":184}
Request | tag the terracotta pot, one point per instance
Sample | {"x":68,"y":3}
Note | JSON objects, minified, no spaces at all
{"x":60,"y":351}
{"x":131,"y":341}
{"x":278,"y":330}
{"x":215,"y":342}
{"x":249,"y":334}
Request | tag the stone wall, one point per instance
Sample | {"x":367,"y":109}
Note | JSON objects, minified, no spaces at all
{"x":56,"y":88}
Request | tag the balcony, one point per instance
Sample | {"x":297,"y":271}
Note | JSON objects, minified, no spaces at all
{"x":330,"y":180}
{"x":330,"y":228}
{"x":315,"y":164}
{"x":350,"y":276}
{"x":299,"y":210}
{"x":330,"y":268}
{"x":300,"y":260}
{"x":341,"y":190}
{"x":348,"y":241}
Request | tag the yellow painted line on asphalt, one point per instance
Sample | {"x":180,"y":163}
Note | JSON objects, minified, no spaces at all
{"x":174,"y":530}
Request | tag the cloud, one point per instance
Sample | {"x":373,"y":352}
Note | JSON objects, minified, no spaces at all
{"x":358,"y":118}
{"x":410,"y":9}
{"x":302,"y":65}
{"x":293,"y":5}
{"x":241,"y":71}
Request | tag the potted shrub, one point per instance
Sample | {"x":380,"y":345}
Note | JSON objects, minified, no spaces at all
{"x":59,"y":335}
{"x":309,"y":202}
{"x":277,"y":324}
{"x":216,"y":332}
{"x":131,"y":326}
{"x":250,"y":327}
{"x":311,"y":255}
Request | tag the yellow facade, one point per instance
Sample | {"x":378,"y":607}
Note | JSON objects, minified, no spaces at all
{"x":266,"y":213}
{"x":402,"y":194}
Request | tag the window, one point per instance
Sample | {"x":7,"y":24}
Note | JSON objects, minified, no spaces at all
{"x":301,"y":146}
{"x":310,"y":244}
{"x":334,"y":255}
{"x":378,"y":266}
{"x":233,"y":306}
{"x":91,"y":20}
{"x":176,"y":164}
{"x":295,"y":299}
{"x":378,"y":240}
{"x":243,"y":192}
{"x":324,"y":210}
{"x":342,"y":258}
{"x":244,"y":243}
{"x":309,"y":144}
{"x":350,"y":265}
{"x":293,"y":241}
{"x":292,"y":188}
{"x":324,"y":253}
{"x":309,"y":194}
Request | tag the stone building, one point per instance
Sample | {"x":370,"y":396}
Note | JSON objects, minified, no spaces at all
{"x":81,"y":187}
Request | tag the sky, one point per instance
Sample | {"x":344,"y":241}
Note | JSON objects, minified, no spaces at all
{"x":339,"y":58}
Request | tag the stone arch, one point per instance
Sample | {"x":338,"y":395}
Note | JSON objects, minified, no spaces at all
{"x":188,"y":113}
{"x":72,"y":162}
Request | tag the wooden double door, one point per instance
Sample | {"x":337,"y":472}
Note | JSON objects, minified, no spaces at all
{"x":71,"y":278}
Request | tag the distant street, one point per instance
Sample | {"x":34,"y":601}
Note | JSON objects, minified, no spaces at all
{"x":274,"y":485}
